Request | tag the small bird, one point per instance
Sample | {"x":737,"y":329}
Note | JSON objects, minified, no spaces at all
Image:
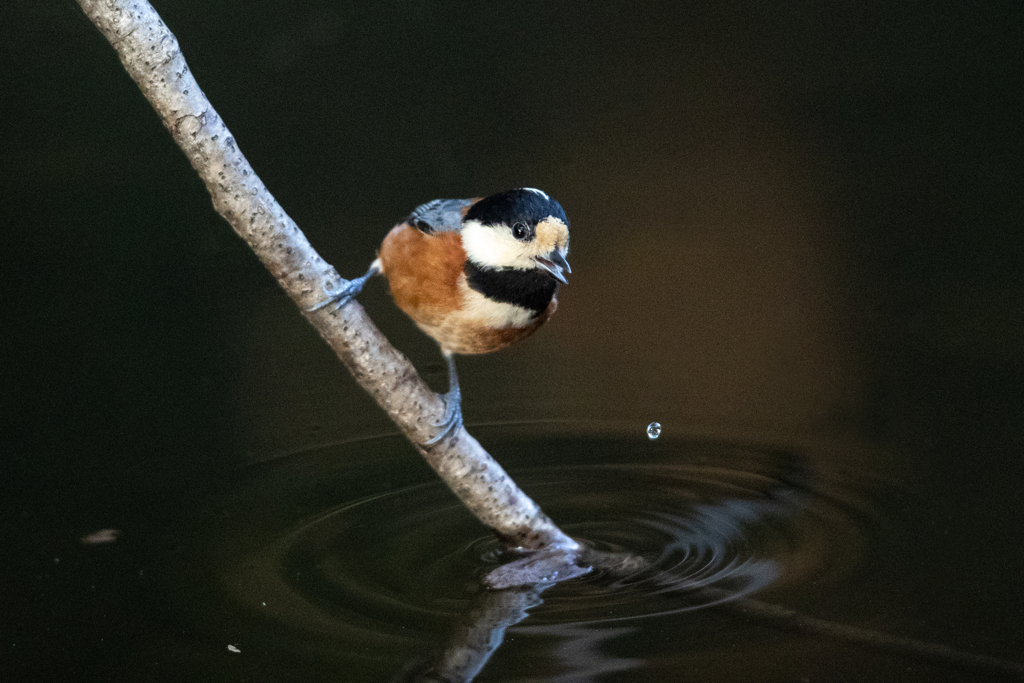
{"x":474,"y":274}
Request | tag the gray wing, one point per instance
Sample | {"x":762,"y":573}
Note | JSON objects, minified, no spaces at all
{"x":439,"y":215}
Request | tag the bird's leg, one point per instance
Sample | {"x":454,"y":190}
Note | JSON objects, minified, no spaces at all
{"x":342,"y":295}
{"x":452,"y":404}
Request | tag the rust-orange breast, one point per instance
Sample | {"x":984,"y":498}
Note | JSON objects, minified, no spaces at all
{"x":423,"y":271}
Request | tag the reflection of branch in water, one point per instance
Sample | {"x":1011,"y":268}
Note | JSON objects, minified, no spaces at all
{"x":479,"y":633}
{"x":482,"y":630}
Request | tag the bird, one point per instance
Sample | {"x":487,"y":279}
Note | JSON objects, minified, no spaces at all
{"x":475,"y":275}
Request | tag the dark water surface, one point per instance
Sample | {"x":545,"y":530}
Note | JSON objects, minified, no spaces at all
{"x":353,"y":563}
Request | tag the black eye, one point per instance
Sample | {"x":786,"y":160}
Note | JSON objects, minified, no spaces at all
{"x":520,"y":231}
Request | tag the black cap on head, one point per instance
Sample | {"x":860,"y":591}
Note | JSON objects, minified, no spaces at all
{"x":525,"y":204}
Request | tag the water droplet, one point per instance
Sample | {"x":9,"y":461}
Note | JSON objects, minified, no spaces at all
{"x":653,"y":430}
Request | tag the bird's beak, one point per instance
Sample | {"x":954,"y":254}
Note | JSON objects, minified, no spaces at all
{"x":554,"y":262}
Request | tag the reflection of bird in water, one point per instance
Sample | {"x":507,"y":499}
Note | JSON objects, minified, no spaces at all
{"x":474,"y":274}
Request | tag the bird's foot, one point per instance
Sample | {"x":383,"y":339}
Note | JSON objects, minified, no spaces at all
{"x":452,"y":416}
{"x":346,"y":292}
{"x":452,"y":405}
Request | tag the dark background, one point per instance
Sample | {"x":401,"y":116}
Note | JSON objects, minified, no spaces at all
{"x":793,"y":218}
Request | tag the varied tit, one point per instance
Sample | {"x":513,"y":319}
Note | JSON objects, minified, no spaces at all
{"x":474,"y":274}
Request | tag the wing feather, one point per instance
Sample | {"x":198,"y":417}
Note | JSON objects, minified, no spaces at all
{"x":440,"y":215}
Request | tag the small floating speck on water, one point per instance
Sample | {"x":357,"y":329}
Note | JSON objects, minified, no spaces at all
{"x":101,"y":536}
{"x":653,"y":430}
{"x":232,"y":648}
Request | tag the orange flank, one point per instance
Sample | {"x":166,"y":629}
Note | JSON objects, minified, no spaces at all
{"x":423,"y":272}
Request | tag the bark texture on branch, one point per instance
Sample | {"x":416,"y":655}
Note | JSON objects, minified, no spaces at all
{"x":150,"y":53}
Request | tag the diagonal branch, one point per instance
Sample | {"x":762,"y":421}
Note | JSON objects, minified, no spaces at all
{"x":150,"y":53}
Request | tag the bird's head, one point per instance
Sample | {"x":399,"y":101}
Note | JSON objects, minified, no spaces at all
{"x":522,"y":229}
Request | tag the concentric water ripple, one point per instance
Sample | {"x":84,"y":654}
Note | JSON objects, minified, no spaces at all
{"x":358,"y":552}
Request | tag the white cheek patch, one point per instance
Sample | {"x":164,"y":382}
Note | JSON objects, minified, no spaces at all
{"x":493,"y":246}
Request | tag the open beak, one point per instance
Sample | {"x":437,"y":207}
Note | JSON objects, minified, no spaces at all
{"x":554,"y":262}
